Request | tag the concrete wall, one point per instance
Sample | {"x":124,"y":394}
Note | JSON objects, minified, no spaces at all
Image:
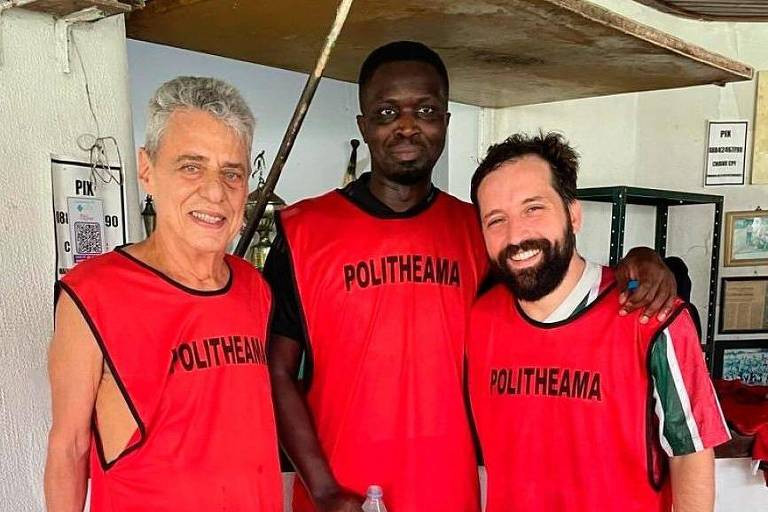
{"x":42,"y":112}
{"x":657,"y":140}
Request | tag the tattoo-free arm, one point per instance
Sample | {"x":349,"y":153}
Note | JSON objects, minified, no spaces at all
{"x":74,"y":366}
{"x":297,"y":433}
{"x":693,"y":481}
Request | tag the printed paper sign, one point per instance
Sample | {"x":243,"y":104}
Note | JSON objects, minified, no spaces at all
{"x":726,"y":152}
{"x":88,"y":211}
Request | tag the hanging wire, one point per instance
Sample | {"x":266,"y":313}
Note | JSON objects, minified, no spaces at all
{"x":95,"y":145}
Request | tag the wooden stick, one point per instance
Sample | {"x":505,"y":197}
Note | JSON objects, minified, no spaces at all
{"x":294,"y":126}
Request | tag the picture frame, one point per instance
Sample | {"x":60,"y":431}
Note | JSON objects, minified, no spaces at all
{"x":760,"y":145}
{"x":746,"y":238}
{"x":745,"y":360}
{"x":743,"y":305}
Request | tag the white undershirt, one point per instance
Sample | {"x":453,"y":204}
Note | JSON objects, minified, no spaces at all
{"x":588,"y":286}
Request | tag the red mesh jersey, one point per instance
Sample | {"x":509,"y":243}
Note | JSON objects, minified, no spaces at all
{"x":192,"y":368}
{"x":566,"y":413}
{"x":385,"y":302}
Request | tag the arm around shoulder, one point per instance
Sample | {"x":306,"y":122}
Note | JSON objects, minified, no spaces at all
{"x":656,"y":290}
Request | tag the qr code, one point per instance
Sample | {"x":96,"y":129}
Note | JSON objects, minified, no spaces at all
{"x":88,"y":238}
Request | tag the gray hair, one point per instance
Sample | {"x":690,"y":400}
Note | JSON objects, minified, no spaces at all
{"x":210,"y":95}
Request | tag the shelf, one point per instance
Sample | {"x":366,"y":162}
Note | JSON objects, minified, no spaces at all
{"x":646,"y":196}
{"x":621,"y":196}
{"x":499,"y":53}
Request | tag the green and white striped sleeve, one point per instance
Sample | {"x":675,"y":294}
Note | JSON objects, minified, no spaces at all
{"x":688,"y":413}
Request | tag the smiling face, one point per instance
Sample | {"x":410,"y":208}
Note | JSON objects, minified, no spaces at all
{"x":404,"y":120}
{"x":198,"y":180}
{"x":528,"y":230}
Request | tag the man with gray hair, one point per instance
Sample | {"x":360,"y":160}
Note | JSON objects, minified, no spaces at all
{"x":159,"y":384}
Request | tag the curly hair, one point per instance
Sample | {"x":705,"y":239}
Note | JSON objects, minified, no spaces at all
{"x":552,"y":147}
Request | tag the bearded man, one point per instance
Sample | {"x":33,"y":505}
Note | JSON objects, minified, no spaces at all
{"x":577,"y":408}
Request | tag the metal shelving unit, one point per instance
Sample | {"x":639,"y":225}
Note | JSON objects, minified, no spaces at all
{"x":621,"y":196}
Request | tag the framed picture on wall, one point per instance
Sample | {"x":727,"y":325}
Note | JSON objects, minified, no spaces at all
{"x":746,"y":361}
{"x":760,"y":149}
{"x":743,"y":305}
{"x":746,"y":238}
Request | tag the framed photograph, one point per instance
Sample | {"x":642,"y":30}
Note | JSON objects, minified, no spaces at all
{"x":746,"y":361}
{"x":746,"y":238}
{"x":743,"y":305}
{"x":760,"y":149}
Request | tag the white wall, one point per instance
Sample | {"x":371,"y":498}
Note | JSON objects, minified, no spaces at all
{"x":321,"y":153}
{"x":319,"y":158}
{"x":464,"y":146}
{"x":42,"y":112}
{"x":738,"y":489}
{"x":657,"y":140}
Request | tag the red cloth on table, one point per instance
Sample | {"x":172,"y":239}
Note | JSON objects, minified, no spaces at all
{"x":746,"y":409}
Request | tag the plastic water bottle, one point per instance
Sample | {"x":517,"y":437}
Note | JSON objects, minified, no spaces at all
{"x":373,"y":500}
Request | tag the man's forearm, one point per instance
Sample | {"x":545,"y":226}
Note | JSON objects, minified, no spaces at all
{"x":66,"y":478}
{"x":693,"y":482}
{"x":299,"y":439}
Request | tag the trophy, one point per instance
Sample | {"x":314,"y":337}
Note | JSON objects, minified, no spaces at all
{"x":265,"y":231}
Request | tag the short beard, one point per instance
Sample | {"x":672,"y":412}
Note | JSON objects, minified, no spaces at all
{"x":531,"y":284}
{"x":411,"y":173}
